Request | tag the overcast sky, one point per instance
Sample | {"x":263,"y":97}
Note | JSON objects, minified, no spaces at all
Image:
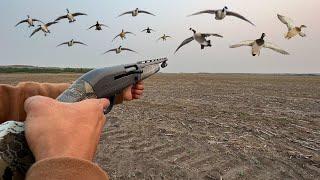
{"x":17,"y":48}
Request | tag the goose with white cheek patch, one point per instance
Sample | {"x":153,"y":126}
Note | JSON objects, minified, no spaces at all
{"x":44,"y":28}
{"x":30,"y":21}
{"x":71,"y":43}
{"x":70,"y":16}
{"x":292,"y":30}
{"x":136,"y":12}
{"x":119,"y":50}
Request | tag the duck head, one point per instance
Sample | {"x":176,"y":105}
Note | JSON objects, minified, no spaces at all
{"x":263,"y":35}
{"x":303,"y":26}
{"x":194,"y":31}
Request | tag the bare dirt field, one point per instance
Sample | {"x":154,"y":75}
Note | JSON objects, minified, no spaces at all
{"x":211,"y":126}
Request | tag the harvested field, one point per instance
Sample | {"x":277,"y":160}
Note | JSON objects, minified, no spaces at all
{"x":211,"y":126}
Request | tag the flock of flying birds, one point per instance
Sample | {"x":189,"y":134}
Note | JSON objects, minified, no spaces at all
{"x":201,"y":38}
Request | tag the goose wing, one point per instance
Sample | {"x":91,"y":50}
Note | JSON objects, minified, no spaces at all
{"x":37,"y":20}
{"x":184,"y":43}
{"x":287,"y":21}
{"x":130,"y":33}
{"x":204,"y":12}
{"x":230,"y":13}
{"x":129,"y":12}
{"x":104,"y":25}
{"x":110,"y":51}
{"x":50,"y":23}
{"x":79,"y":14}
{"x":211,"y":34}
{"x":168,"y":37}
{"x":146,"y":12}
{"x":127,"y":49}
{"x":78,"y":42}
{"x":23,"y":21}
{"x":144,"y":30}
{"x":243,"y":43}
{"x":302,"y":34}
{"x":115,"y":37}
{"x":275,"y":48}
{"x":61,"y":17}
{"x":62,"y":44}
{"x":35,"y":31}
{"x":91,"y":26}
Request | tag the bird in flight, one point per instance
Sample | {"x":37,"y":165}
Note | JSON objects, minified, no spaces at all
{"x":164,"y":37}
{"x":136,"y":12}
{"x":44,"y":28}
{"x":200,"y":38}
{"x":148,"y":30}
{"x":220,"y":14}
{"x":258,"y":44}
{"x":71,"y":43}
{"x":292,"y":30}
{"x":122,"y":35}
{"x":98,"y":26}
{"x":119,"y":50}
{"x":70,"y":16}
{"x":29,"y":20}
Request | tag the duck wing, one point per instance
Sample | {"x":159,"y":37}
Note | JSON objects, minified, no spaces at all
{"x":79,"y":14}
{"x":275,"y":48}
{"x":146,"y":12}
{"x":35,"y":31}
{"x":23,"y":21}
{"x":78,"y":42}
{"x":129,"y":12}
{"x":62,"y":44}
{"x":211,"y":34}
{"x":110,"y":51}
{"x":184,"y":43}
{"x":243,"y":43}
{"x":230,"y":13}
{"x":204,"y":12}
{"x":127,"y":49}
{"x":61,"y":17}
{"x":37,"y":20}
{"x":50,"y":23}
{"x":287,"y":21}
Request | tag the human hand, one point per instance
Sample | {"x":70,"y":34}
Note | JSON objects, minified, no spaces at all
{"x":55,"y":129}
{"x":131,"y":93}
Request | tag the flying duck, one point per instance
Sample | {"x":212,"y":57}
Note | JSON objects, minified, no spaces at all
{"x":292,"y":30}
{"x":119,"y":50}
{"x":70,"y":16}
{"x":136,"y":12}
{"x":98,"y":26}
{"x":30,"y":21}
{"x":164,"y":37}
{"x":200,"y":38}
{"x":71,"y":43}
{"x":258,"y":44}
{"x":44,"y":28}
{"x":148,"y":30}
{"x":123,"y":34}
{"x":222,"y":13}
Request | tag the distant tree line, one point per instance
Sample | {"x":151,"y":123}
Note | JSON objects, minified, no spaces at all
{"x":43,"y":70}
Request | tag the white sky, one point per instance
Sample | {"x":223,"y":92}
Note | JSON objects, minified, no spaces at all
{"x":17,"y":48}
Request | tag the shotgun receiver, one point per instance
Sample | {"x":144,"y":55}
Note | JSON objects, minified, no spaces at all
{"x":16,"y":157}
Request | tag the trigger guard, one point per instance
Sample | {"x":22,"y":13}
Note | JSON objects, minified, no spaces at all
{"x":109,"y":108}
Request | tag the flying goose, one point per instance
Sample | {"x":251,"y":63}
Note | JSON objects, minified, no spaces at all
{"x":136,"y":12}
{"x":200,"y":38}
{"x":148,"y":30}
{"x":164,"y":37}
{"x":29,"y":20}
{"x":122,"y":35}
{"x":98,"y":26}
{"x":258,"y":44}
{"x":292,"y":30}
{"x":71,"y":43}
{"x":222,"y":13}
{"x":119,"y":50}
{"x":44,"y":28}
{"x":70,"y":16}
